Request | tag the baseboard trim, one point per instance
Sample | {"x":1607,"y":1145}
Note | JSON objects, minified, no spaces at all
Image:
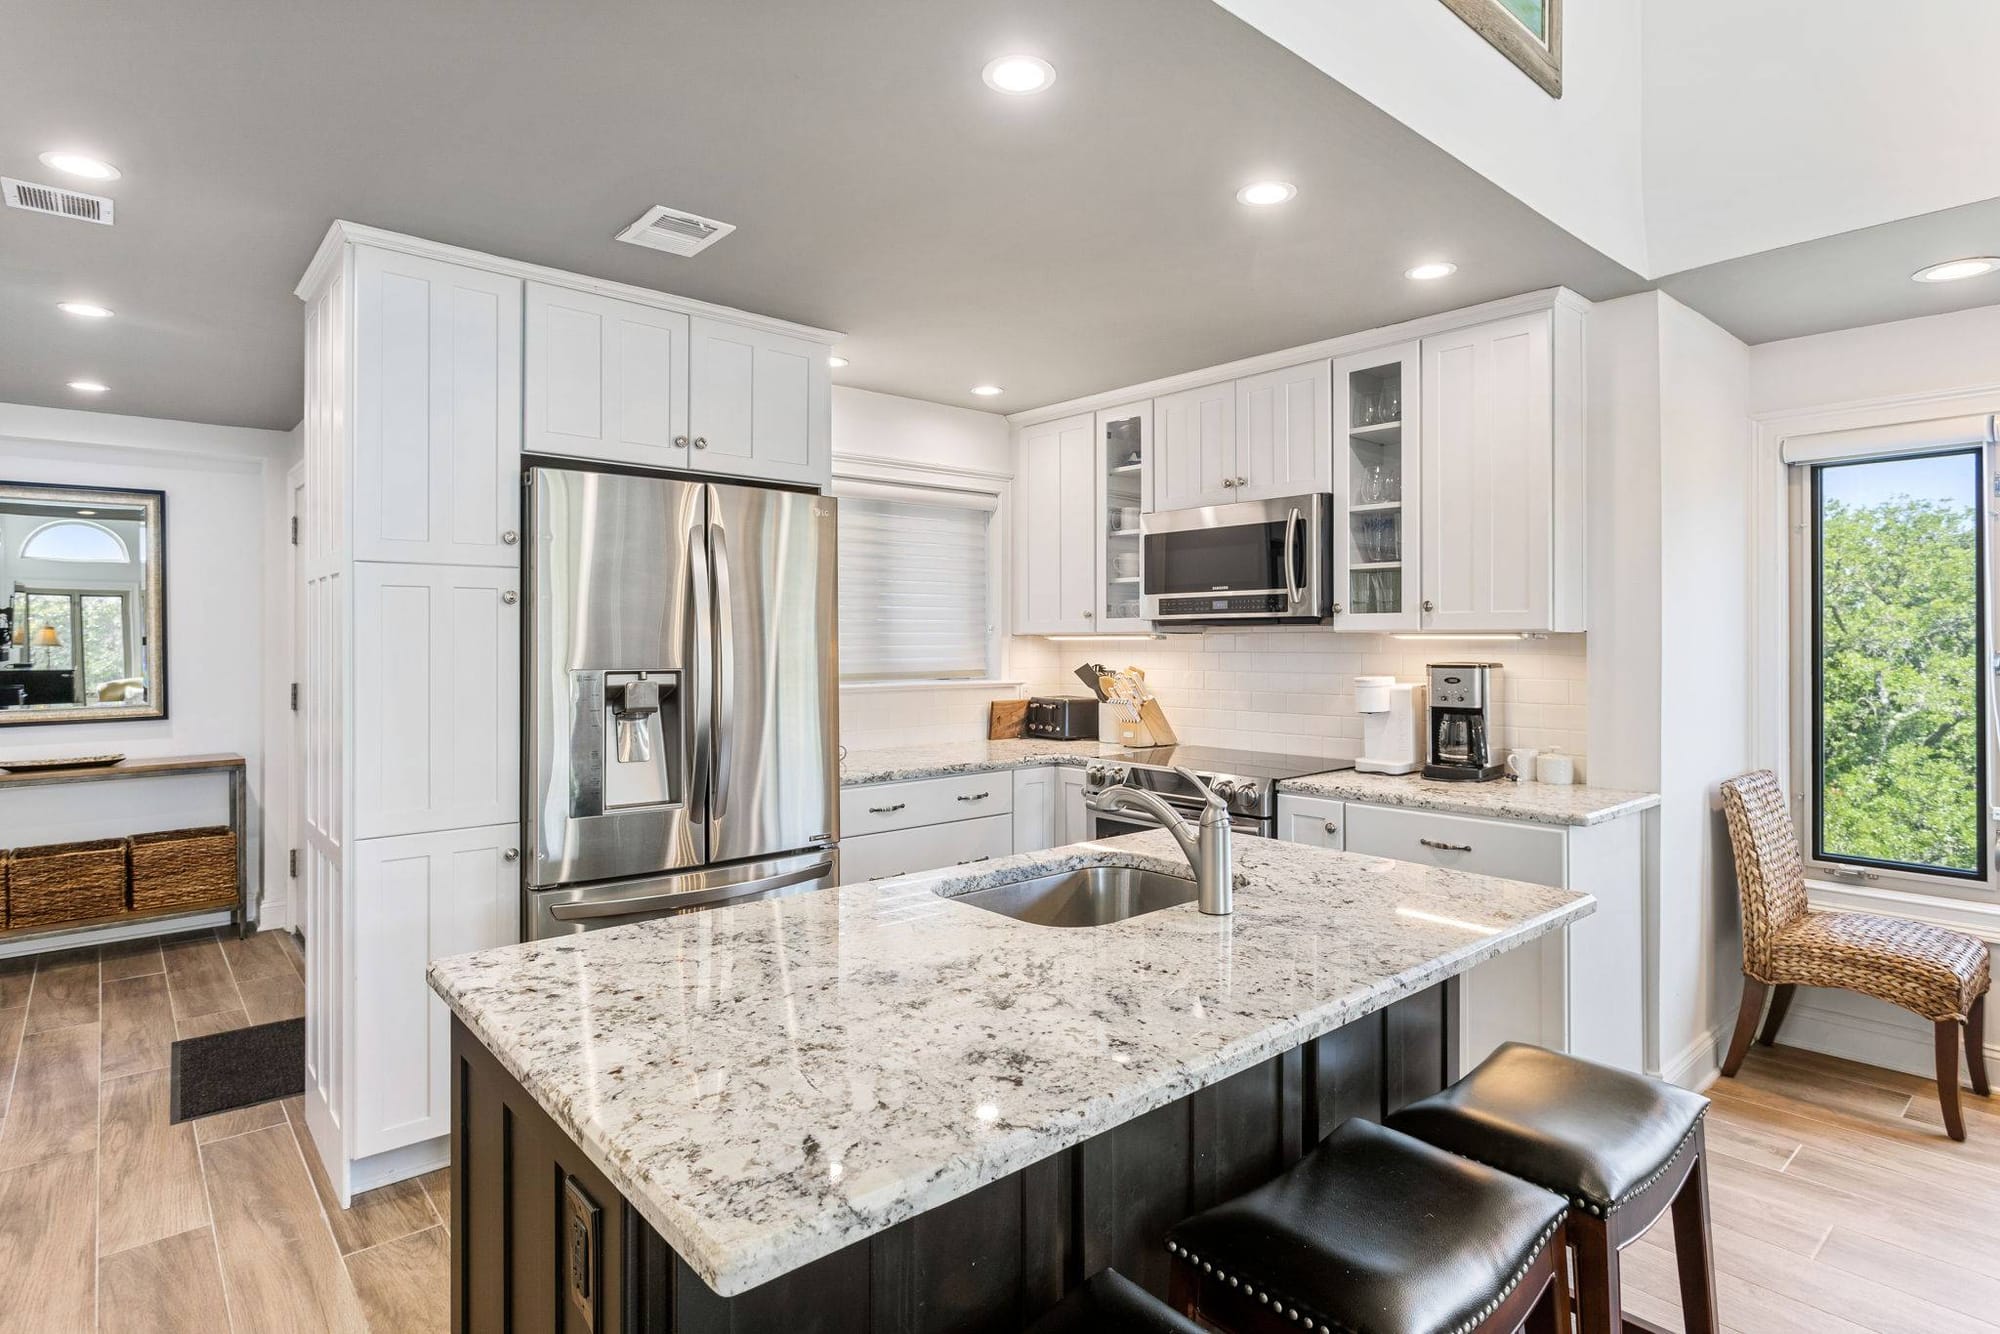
{"x":1698,"y":1064}
{"x":1885,"y":1043}
{"x":412,"y":1160}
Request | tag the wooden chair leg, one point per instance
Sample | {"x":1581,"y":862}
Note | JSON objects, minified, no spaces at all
{"x":1781,"y":1001}
{"x":1746,"y":1023}
{"x":1947,"y":1077}
{"x":1598,"y":1300}
{"x":1975,"y":1047}
{"x":1692,"y":1248}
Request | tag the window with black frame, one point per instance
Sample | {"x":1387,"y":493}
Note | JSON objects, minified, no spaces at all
{"x":1896,"y":572}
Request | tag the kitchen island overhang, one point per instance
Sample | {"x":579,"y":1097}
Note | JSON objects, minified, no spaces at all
{"x":762,"y":1089}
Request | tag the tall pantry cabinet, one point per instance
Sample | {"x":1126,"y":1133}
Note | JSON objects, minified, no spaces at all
{"x":430,"y":371}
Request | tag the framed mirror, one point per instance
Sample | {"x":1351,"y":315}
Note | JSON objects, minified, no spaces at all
{"x":83,"y":633}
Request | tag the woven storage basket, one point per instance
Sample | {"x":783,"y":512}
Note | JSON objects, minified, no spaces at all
{"x":65,"y":882}
{"x":183,"y":868}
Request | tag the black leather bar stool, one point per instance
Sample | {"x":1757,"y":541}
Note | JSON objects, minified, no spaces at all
{"x":1374,"y":1232}
{"x":1622,"y":1148}
{"x":1110,"y":1303}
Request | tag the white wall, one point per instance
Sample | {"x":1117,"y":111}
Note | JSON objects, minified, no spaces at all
{"x":1768,"y":122}
{"x":1935,"y":354}
{"x":225,"y":570}
{"x":909,"y":430}
{"x":1670,"y":637}
{"x":1575,"y":160}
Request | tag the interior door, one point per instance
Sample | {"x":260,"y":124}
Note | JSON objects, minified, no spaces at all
{"x":775,"y":782}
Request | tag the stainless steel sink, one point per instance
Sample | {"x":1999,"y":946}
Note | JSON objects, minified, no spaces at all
{"x":1093,"y":896}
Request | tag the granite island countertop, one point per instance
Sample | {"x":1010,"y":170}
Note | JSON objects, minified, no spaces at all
{"x":769,"y":1082}
{"x":1503,"y":799}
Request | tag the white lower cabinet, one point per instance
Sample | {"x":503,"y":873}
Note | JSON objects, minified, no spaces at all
{"x":1578,"y":990}
{"x":1072,"y":816}
{"x":419,"y":898}
{"x":925,"y":848}
{"x":1035,"y":809}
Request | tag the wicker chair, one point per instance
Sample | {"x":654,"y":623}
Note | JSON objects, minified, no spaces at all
{"x":1938,"y":974}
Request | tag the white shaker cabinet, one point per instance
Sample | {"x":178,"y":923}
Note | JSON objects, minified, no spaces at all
{"x":760,"y":404}
{"x":1284,"y":433}
{"x":1194,"y":448}
{"x":419,"y":898}
{"x":1035,"y":809}
{"x":1072,"y":815}
{"x":437,"y":415}
{"x":1318,"y":822}
{"x":1057,"y":547}
{"x":436,"y":698}
{"x":1502,"y":470}
{"x":606,"y":379}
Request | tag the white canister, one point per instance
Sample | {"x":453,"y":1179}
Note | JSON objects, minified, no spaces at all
{"x":1556,"y":768}
{"x":1521,"y":764}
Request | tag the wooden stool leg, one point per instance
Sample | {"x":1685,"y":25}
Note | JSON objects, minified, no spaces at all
{"x":1975,"y":1047}
{"x":1781,"y":1001}
{"x":1598,"y":1302}
{"x":1947,"y":1077}
{"x":1746,"y":1023}
{"x":1692,"y":1250}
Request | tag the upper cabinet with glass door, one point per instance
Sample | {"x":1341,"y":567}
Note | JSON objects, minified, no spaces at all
{"x":1376,"y":489}
{"x":1124,"y":443}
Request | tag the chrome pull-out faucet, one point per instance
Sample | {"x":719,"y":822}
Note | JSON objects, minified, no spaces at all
{"x":1205,"y":845}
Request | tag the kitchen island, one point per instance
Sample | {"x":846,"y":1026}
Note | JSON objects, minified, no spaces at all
{"x":875,"y":1108}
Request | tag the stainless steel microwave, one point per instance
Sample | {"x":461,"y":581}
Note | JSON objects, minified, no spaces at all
{"x":1257,"y":560}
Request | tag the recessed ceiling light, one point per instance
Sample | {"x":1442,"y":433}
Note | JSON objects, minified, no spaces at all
{"x":1018,"y":74}
{"x":80,"y":164}
{"x":1262,"y":194}
{"x":88,"y":386}
{"x":1424,"y":273}
{"x":83,"y":309}
{"x":987,"y":390}
{"x":836,"y":362}
{"x":1951,"y":271}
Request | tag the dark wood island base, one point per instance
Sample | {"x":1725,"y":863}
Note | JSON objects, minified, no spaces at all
{"x":541,"y":1241}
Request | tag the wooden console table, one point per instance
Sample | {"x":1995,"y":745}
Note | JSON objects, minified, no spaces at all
{"x":231,"y":766}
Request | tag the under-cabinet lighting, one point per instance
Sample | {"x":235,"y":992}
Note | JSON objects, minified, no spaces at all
{"x":1435,"y":635}
{"x":1101,"y":639}
{"x":81,"y":164}
{"x":1425,"y":273}
{"x":1952,"y":270}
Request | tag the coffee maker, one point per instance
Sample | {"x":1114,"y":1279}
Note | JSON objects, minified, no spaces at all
{"x":1464,"y":716}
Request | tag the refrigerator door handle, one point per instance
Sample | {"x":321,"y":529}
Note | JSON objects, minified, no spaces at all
{"x":700,"y":662}
{"x":588,"y":910}
{"x":725,"y":675}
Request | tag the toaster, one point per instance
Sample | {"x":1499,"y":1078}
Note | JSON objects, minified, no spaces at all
{"x":1061,"y":718}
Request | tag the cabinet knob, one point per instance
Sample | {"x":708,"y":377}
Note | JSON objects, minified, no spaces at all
{"x":1430,"y":605}
{"x":1090,"y":616}
{"x":1338,"y":608}
{"x":701,"y":442}
{"x":680,"y":442}
{"x":1332,"y":828}
{"x":510,"y":597}
{"x":510,"y":855}
{"x":1229,"y":482}
{"x":509,"y":538}
{"x":1243,"y":481}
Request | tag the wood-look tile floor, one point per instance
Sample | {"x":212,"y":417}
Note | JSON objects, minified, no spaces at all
{"x":1839,"y":1205}
{"x":112,"y":1219}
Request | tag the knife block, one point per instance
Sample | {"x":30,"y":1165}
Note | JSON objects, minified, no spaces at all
{"x":1140,"y":726}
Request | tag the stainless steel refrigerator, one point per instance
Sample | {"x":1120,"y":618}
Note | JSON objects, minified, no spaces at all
{"x":682,"y":729}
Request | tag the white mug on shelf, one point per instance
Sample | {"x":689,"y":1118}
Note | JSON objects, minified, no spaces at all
{"x":1128,"y":519}
{"x":1555,"y":768}
{"x":1126,"y":563}
{"x":1521,"y":764}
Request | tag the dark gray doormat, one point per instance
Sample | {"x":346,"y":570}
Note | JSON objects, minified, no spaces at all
{"x":238,"y":1068}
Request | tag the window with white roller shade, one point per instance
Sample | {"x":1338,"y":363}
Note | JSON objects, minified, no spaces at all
{"x":915,"y":583}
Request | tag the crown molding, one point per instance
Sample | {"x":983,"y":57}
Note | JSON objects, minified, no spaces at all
{"x":343,"y":234}
{"x":1547,"y":298}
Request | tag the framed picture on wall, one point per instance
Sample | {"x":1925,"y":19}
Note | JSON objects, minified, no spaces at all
{"x":1527,"y":32}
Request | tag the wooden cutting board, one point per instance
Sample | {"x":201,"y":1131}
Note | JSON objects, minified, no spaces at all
{"x":1006,"y":720}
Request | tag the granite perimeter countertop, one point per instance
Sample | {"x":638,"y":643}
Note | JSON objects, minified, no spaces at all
{"x":896,"y":764}
{"x":771,"y":1081}
{"x":1542,"y":803}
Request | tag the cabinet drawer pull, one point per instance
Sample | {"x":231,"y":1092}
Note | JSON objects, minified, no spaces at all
{"x":974,"y":796}
{"x":1332,"y":828}
{"x":887,"y":810}
{"x":1445,"y":847}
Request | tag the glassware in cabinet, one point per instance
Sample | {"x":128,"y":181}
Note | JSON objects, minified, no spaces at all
{"x":1376,"y":488}
{"x":1124,"y":441}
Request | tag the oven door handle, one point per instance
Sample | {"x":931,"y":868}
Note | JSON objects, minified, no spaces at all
{"x":1292,"y":588}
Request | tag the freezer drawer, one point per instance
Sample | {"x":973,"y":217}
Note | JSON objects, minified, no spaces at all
{"x":562,"y":912}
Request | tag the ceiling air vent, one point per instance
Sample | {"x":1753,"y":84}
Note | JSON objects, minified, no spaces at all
{"x":675,"y":232}
{"x":54,"y":199}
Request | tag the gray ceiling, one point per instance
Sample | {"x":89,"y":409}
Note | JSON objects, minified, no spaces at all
{"x":1845,"y":281}
{"x":1056,"y":245}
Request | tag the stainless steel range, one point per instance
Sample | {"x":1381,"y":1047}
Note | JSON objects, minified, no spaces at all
{"x":1247,"y":780}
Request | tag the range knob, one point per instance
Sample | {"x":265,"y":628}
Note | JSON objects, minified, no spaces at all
{"x":1225,"y":789}
{"x":1093,"y":774}
{"x":1115,"y":775}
